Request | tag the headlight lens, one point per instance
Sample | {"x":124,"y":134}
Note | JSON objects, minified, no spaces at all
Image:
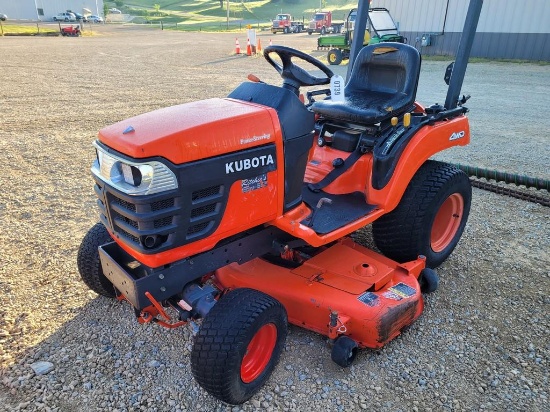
{"x":131,"y":177}
{"x":132,"y":174}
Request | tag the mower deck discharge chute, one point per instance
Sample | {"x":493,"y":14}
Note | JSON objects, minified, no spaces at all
{"x":237,"y":212}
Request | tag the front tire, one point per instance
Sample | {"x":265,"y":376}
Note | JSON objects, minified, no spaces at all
{"x":323,"y":31}
{"x":89,"y":264}
{"x":429,"y":219}
{"x":239,"y":344}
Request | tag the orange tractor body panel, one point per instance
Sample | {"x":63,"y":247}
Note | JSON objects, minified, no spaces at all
{"x":222,"y":126}
{"x":426,"y":143}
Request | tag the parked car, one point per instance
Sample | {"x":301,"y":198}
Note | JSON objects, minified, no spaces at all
{"x":3,"y":17}
{"x":65,"y":17}
{"x":95,"y":19}
{"x":80,"y":17}
{"x":115,"y":11}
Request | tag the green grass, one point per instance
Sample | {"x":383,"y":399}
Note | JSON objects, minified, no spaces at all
{"x":32,"y":30}
{"x":26,"y":30}
{"x":208,"y":15}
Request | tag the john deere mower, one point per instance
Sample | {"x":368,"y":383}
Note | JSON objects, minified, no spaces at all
{"x":236,"y":213}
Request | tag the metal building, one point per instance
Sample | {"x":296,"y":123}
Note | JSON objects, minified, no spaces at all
{"x":45,"y":10}
{"x":507,"y":29}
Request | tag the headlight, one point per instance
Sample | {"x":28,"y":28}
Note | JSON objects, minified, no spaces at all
{"x":131,"y":177}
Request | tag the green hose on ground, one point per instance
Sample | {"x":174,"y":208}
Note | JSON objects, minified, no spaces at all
{"x":509,"y":178}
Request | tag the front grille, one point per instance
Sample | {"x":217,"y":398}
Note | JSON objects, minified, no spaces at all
{"x":117,"y":216}
{"x":162,"y":204}
{"x":197,"y":228}
{"x":162,"y":222}
{"x":128,"y":235}
{"x":203,"y":210}
{"x":137,"y":220}
{"x":204,"y":193}
{"x":124,"y":204}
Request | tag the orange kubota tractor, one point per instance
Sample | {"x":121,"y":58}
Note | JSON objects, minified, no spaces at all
{"x":236,"y":212}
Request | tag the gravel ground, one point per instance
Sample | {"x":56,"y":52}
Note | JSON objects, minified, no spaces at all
{"x":481,"y":344}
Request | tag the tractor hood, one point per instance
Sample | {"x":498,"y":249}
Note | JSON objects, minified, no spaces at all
{"x":193,"y":131}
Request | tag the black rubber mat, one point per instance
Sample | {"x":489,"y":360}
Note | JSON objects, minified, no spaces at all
{"x":344,"y":209}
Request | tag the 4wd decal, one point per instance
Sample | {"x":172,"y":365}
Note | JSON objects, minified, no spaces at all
{"x":457,"y":135}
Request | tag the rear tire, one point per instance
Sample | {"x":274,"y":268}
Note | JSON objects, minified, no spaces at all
{"x":334,"y":57}
{"x":429,"y":219}
{"x":89,"y":264}
{"x":239,"y":344}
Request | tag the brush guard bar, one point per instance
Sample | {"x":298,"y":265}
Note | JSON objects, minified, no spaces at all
{"x":142,"y":285}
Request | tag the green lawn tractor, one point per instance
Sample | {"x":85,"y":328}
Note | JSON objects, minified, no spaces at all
{"x":380,"y":28}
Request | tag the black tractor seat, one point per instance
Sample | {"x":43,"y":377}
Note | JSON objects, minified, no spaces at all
{"x":382,"y":84}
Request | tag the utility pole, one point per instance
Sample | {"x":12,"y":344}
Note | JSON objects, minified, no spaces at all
{"x":227,"y":14}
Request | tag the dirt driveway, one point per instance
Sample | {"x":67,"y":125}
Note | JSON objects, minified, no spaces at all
{"x":482,"y":343}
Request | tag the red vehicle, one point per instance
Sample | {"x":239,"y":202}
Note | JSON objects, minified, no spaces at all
{"x":283,"y":23}
{"x":237,"y":212}
{"x":321,"y":22}
{"x":73,"y":31}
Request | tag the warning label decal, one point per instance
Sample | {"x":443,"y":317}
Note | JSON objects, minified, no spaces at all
{"x":403,"y":290}
{"x":369,"y":299}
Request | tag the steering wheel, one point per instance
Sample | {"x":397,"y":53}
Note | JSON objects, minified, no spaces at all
{"x":294,"y":76}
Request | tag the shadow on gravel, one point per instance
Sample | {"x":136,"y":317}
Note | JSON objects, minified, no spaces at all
{"x":100,"y":354}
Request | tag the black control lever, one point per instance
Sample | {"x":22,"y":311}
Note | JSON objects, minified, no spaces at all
{"x":464,"y":99}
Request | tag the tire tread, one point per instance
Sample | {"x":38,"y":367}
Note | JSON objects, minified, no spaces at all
{"x":398,"y":234}
{"x":89,"y":265}
{"x":224,"y":329}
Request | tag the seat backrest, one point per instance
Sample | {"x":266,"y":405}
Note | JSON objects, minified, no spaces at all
{"x":385,"y":70}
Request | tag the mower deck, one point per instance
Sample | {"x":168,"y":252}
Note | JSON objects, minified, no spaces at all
{"x":369,"y":297}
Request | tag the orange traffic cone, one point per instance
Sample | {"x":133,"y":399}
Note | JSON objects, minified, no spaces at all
{"x":237,"y":46}
{"x":259,"y":47}
{"x":248,"y":48}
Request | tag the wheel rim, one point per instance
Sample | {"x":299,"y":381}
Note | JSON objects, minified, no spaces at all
{"x":332,"y":58}
{"x":446,"y":222}
{"x":258,"y":353}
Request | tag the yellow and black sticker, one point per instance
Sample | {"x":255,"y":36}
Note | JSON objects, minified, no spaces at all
{"x":403,"y":290}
